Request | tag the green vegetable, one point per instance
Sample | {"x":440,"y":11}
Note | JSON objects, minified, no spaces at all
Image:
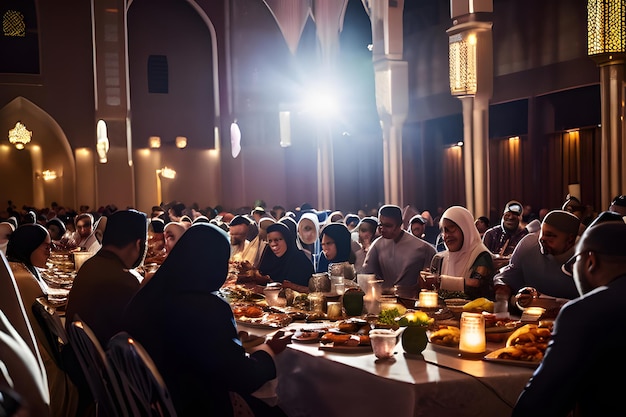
{"x":388,"y":316}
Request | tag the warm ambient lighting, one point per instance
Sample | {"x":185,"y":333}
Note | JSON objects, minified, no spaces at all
{"x":462,"y":65}
{"x":166,"y":172}
{"x":20,"y":136}
{"x":428,"y":299}
{"x":472,"y":339}
{"x":155,"y":142}
{"x":513,"y":138}
{"x":102,"y":141}
{"x":49,"y":175}
{"x":181,"y":142}
{"x":606,"y":27}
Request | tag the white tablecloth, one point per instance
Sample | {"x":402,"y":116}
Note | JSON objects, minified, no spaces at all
{"x":318,"y":383}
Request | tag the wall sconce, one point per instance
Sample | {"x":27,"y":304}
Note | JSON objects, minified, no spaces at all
{"x":47,"y":175}
{"x":19,"y":135}
{"x":463,"y":64}
{"x":235,"y":139}
{"x":164,"y":172}
{"x":102,"y":142}
{"x":181,"y":142}
{"x":472,"y":339}
{"x":155,"y":142}
{"x":606,"y":28}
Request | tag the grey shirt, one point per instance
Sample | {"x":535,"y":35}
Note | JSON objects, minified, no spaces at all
{"x":528,"y":267}
{"x":398,"y":263}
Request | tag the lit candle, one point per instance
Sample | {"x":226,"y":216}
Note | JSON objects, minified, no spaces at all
{"x":428,"y":299}
{"x":333,"y":310}
{"x":532,"y":314}
{"x":472,"y":333}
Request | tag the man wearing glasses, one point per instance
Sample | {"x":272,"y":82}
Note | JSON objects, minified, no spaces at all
{"x":397,"y":257}
{"x":588,"y":338}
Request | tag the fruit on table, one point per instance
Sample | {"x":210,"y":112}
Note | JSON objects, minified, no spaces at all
{"x":479,"y":304}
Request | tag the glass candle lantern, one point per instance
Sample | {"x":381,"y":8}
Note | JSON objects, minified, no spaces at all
{"x":472,"y":333}
{"x":428,"y":299}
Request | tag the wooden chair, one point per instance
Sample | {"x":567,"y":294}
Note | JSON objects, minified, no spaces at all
{"x":56,"y":342}
{"x":142,"y":384}
{"x":102,"y":380}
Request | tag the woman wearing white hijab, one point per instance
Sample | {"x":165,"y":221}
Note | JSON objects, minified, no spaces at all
{"x":309,"y":236}
{"x":465,"y":255}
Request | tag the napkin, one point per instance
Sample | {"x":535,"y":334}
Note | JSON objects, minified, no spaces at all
{"x":451,"y":283}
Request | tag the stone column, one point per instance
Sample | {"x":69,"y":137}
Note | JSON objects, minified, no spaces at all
{"x":471,"y":79}
{"x":392,"y":89}
{"x":606,"y":36}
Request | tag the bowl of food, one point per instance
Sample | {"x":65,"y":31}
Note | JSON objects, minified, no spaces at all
{"x":455,"y":305}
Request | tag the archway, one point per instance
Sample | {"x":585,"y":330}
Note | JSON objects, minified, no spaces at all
{"x":21,"y":178}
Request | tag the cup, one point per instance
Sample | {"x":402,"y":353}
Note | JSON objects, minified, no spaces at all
{"x":335,"y":282}
{"x":383,"y":342}
{"x":316,"y":302}
{"x":363,"y":279}
{"x":80,"y":258}
{"x":271,"y":295}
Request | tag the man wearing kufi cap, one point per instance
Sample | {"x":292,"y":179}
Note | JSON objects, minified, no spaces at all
{"x":503,"y":238}
{"x":618,"y":205}
{"x":238,"y":232}
{"x":537,"y":259}
{"x":588,"y":338}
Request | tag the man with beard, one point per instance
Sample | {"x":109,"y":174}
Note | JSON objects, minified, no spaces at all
{"x":107,"y":281}
{"x":503,"y":238}
{"x":537,"y":259}
{"x":238,"y":232}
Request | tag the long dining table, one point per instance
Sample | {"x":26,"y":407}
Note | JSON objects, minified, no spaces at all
{"x":313,"y":383}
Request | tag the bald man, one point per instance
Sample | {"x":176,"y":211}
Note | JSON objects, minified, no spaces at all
{"x":587,"y":338}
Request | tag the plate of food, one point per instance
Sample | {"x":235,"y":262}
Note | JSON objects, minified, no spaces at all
{"x":266,"y":321}
{"x":524,"y":347}
{"x":307,"y":336}
{"x":498,"y":356}
{"x":337,"y":341}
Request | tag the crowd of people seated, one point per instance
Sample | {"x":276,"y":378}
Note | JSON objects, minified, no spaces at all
{"x":192,"y":249}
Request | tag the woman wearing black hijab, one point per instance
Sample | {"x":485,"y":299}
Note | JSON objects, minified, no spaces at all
{"x":336,"y":246}
{"x":190,"y":333}
{"x":283,"y":261}
{"x":29,"y":249}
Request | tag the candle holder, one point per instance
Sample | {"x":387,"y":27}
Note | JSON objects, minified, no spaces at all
{"x":428,"y":299}
{"x":472,"y":342}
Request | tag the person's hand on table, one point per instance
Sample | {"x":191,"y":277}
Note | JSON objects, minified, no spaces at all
{"x":279,"y":341}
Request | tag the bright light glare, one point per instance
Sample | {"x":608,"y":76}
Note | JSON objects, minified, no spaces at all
{"x":321,"y":103}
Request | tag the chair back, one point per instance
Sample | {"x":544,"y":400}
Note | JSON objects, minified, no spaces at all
{"x":142,"y":383}
{"x":102,"y":381}
{"x":52,"y":327}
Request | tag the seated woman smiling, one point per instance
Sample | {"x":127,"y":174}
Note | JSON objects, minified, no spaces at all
{"x":283,"y":261}
{"x":465,"y":255}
